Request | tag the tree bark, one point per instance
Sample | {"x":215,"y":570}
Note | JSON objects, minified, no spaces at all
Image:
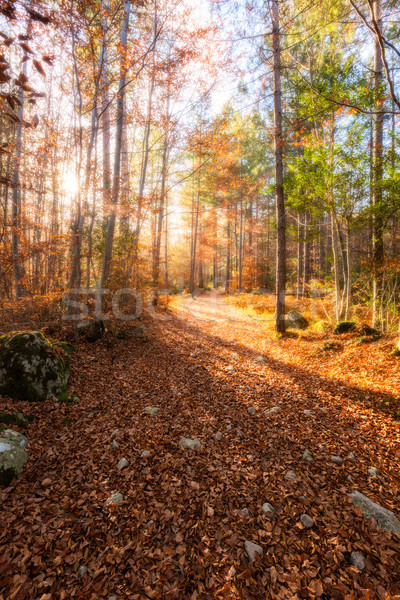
{"x":279,"y":192}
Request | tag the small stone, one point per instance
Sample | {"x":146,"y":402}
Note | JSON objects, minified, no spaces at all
{"x":307,"y":521}
{"x":373,"y":471}
{"x":235,"y":355}
{"x":260,"y":358}
{"x":272,"y":411}
{"x":239,"y":433}
{"x":307,"y":455}
{"x":115,"y":432}
{"x":290,"y":475}
{"x":252,"y":549}
{"x":351,"y":456}
{"x":115,"y":444}
{"x":116,"y":498}
{"x":82,"y":570}
{"x":231,"y":368}
{"x":251,"y":410}
{"x":46,"y":482}
{"x":191,"y":444}
{"x":192,"y":355}
{"x":229,"y":427}
{"x":112,"y":597}
{"x":123,"y":463}
{"x":151,"y":410}
{"x":145,"y":454}
{"x":218,"y":436}
{"x":243,"y":513}
{"x":357,"y":560}
{"x":268,"y":508}
{"x":308,"y":412}
{"x":337,"y":460}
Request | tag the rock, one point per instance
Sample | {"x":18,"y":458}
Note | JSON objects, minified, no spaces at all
{"x":267,"y":508}
{"x":337,"y":460}
{"x":191,"y":443}
{"x":12,"y":455}
{"x":115,"y":432}
{"x":31,"y":368}
{"x":116,"y":498}
{"x":192,"y":355}
{"x":344,"y":327}
{"x":357,"y":560}
{"x":151,"y":410}
{"x":218,"y":436}
{"x":386,"y":519}
{"x":251,"y":410}
{"x":112,"y":597}
{"x":252,"y":549}
{"x":308,"y":412}
{"x":82,"y":570}
{"x":239,"y":433}
{"x":351,"y":456}
{"x":373,"y":471}
{"x":243,"y":513}
{"x":91,"y":329}
{"x":122,"y":464}
{"x":16,"y":437}
{"x":290,"y":475}
{"x":141,"y":333}
{"x":16,"y":418}
{"x":115,"y":445}
{"x":272,"y":411}
{"x":145,"y":454}
{"x":260,"y":359}
{"x":229,"y":427}
{"x":46,"y":482}
{"x":295,"y":320}
{"x":307,"y":455}
{"x":307,"y":521}
{"x":231,"y":368}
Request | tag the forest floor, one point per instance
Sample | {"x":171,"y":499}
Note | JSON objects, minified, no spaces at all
{"x":180,"y":531}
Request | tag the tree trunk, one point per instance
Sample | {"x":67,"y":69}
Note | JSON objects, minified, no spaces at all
{"x":279,"y":195}
{"x":117,"y":158}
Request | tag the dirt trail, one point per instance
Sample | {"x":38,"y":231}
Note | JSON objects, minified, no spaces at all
{"x":181,"y":530}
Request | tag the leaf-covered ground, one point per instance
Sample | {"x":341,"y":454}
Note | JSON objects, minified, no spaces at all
{"x":180,"y":532}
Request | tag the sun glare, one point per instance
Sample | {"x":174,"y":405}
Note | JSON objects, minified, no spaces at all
{"x":70,"y":183}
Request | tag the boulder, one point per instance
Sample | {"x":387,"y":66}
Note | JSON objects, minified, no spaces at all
{"x":12,"y":455}
{"x":31,"y":367}
{"x":386,"y":519}
{"x":344,"y":327}
{"x":295,"y":320}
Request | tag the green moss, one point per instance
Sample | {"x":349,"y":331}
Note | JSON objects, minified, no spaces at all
{"x":31,"y":368}
{"x":17,"y":418}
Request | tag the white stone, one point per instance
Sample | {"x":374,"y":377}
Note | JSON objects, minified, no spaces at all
{"x":386,"y":519}
{"x":115,"y":444}
{"x":268,"y":508}
{"x":145,"y":454}
{"x":82,"y":570}
{"x":231,"y":368}
{"x":252,"y":549}
{"x":229,"y":427}
{"x":123,"y":463}
{"x":272,"y":411}
{"x":307,"y":521}
{"x":191,"y":443}
{"x":373,"y":471}
{"x":218,"y":436}
{"x":260,"y":359}
{"x":116,"y":498}
{"x":357,"y":560}
{"x":337,"y":460}
{"x":115,"y":432}
{"x":307,"y":455}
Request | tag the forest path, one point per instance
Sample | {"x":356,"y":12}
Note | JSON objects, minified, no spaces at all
{"x":180,"y":532}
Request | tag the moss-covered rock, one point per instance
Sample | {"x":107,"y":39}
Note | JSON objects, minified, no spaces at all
{"x":13,"y":456}
{"x":31,"y":368}
{"x":15,"y":418}
{"x":344,"y":327}
{"x":295,"y":320}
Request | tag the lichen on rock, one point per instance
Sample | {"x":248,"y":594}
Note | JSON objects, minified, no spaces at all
{"x":31,"y":367}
